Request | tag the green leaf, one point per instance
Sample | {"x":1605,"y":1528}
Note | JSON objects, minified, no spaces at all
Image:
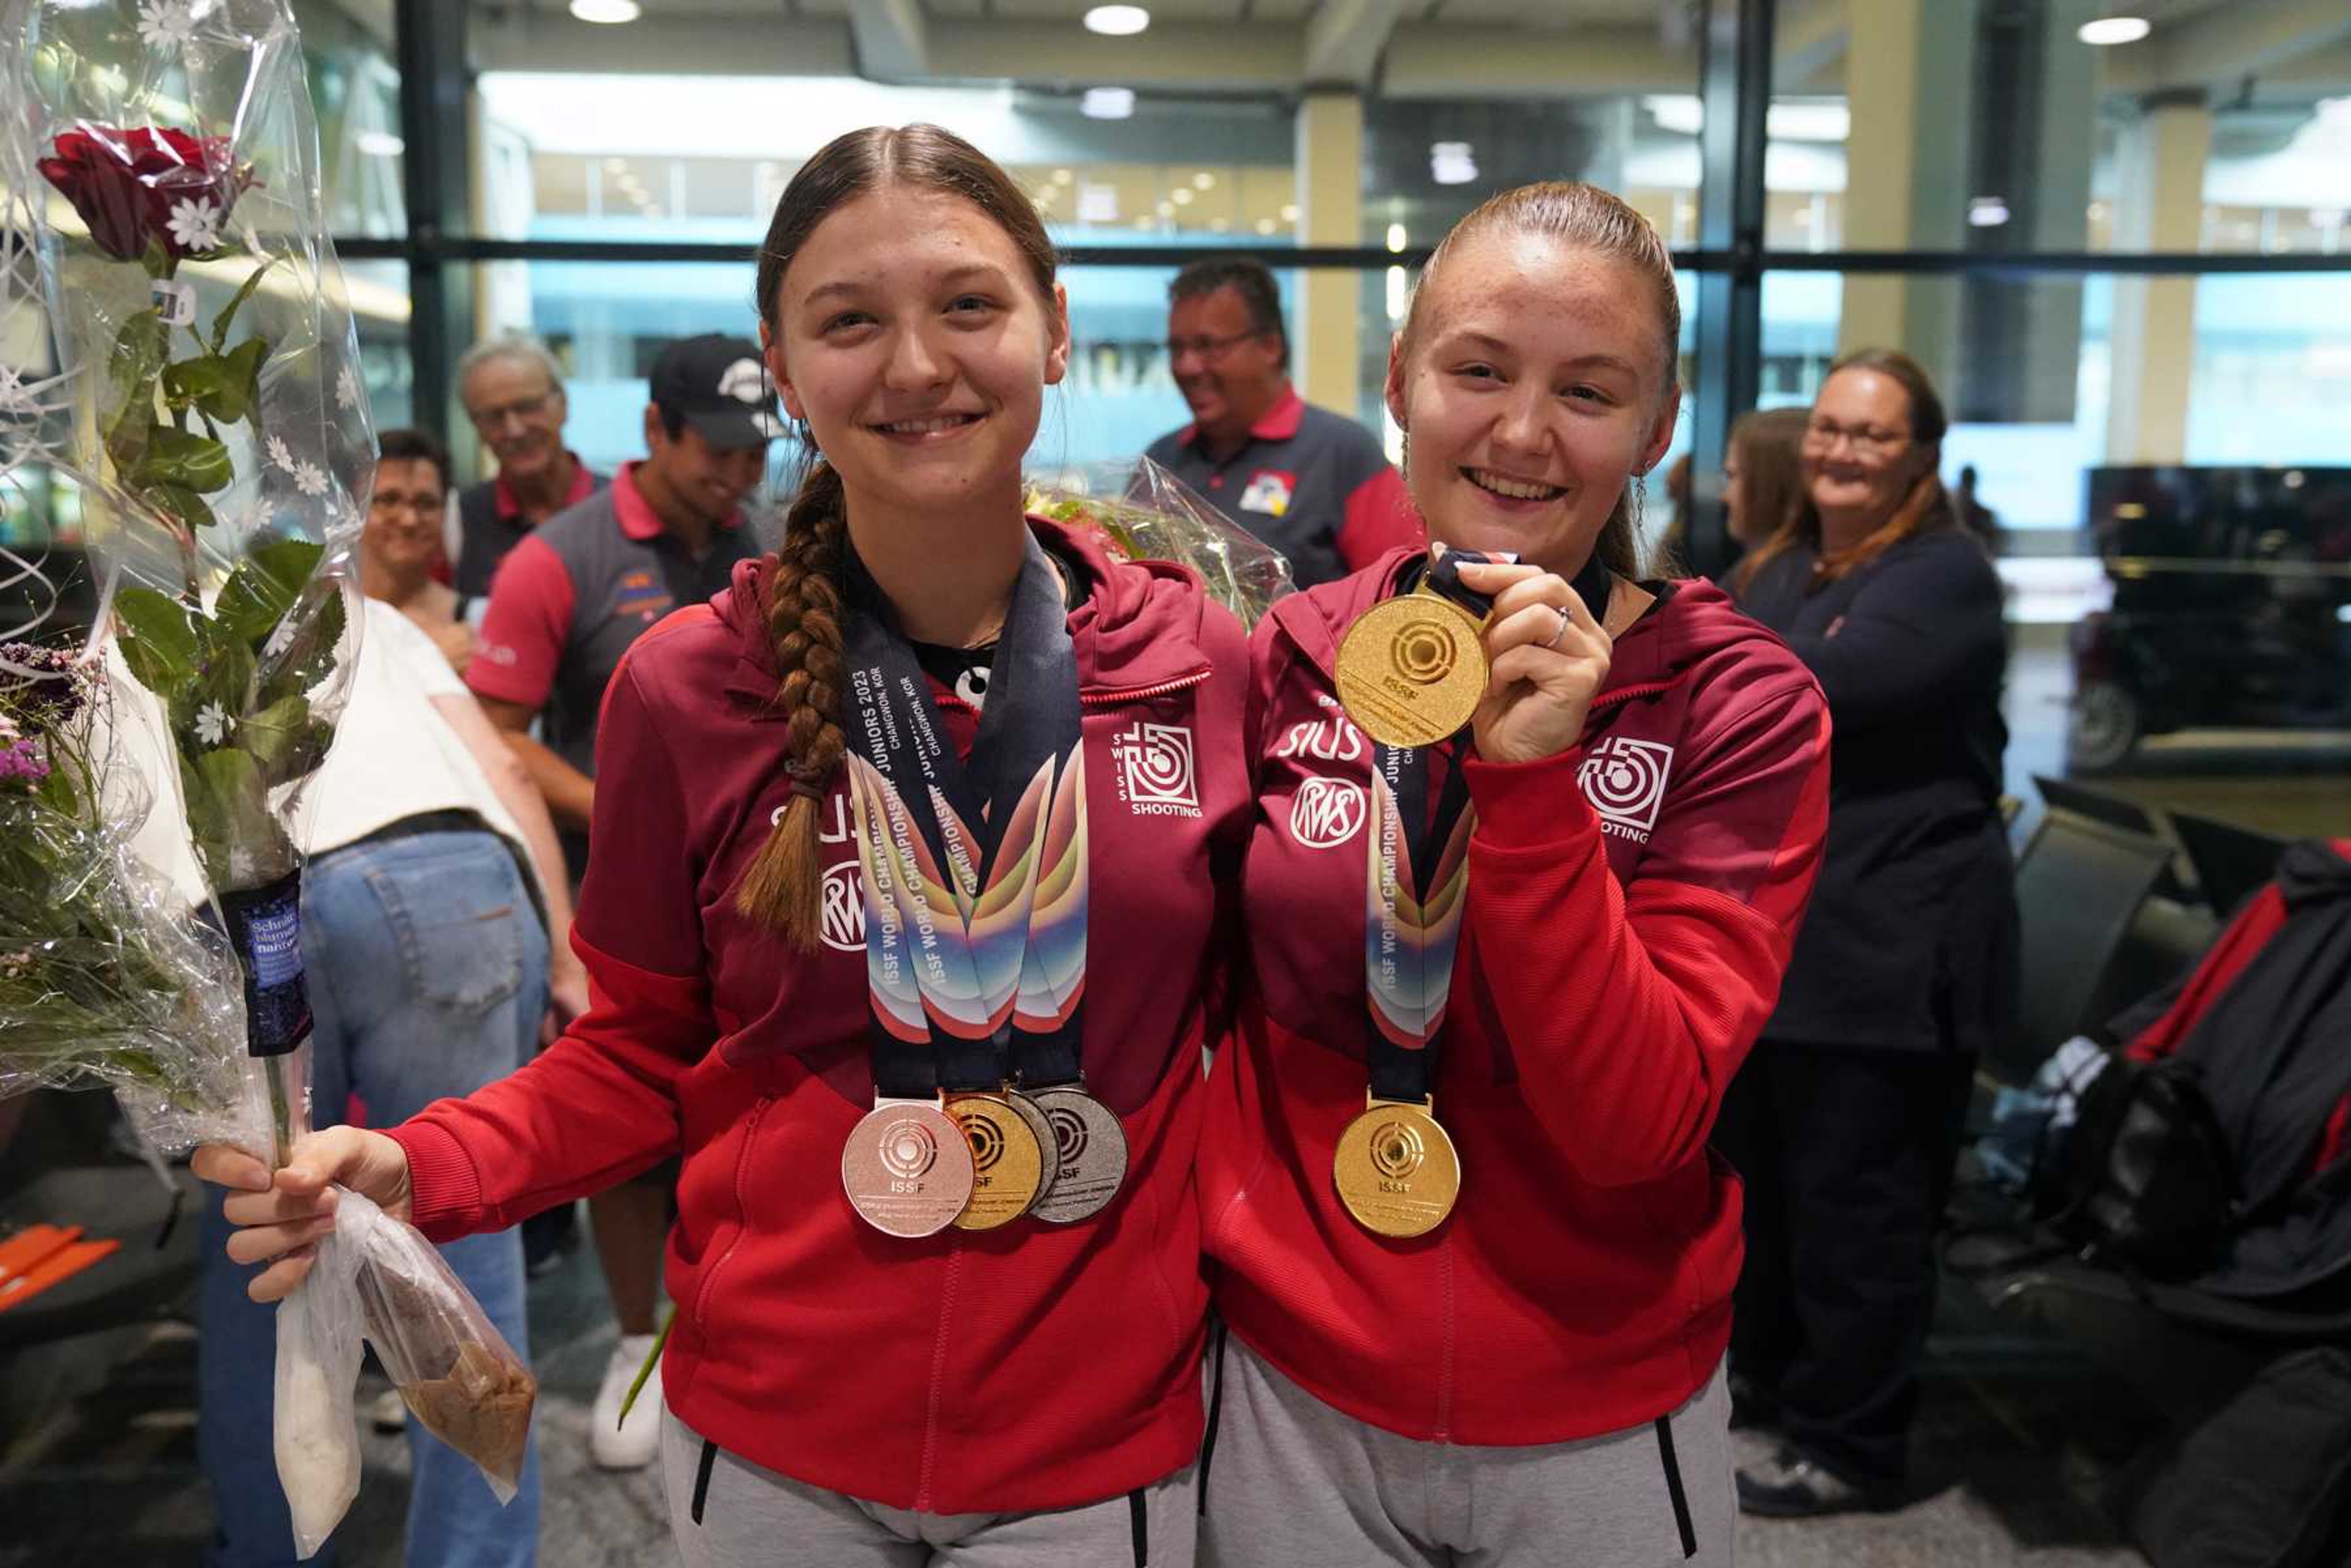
{"x":195,"y":462}
{"x":227,"y":675}
{"x":285,"y":740}
{"x":264,"y":587}
{"x":141,"y":346}
{"x":179,"y":501}
{"x":228,"y":806}
{"x":221,"y":387}
{"x":236,"y":302}
{"x":158,"y":641}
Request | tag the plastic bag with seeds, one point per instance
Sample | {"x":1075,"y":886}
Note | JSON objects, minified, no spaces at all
{"x":454,"y":1371}
{"x":377,"y":1278}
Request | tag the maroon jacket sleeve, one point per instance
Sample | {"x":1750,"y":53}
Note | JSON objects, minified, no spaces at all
{"x":1629,"y":1009}
{"x":600,"y":1104}
{"x":1380,"y":517}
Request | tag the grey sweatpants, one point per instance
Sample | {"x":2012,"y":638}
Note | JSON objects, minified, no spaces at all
{"x":1292,"y":1483}
{"x":736,"y":1514}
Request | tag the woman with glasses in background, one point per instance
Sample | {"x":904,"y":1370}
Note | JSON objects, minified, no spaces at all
{"x":1845,"y":1121}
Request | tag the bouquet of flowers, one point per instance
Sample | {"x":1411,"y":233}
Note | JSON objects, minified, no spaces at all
{"x":1145,"y":513}
{"x":100,"y":978}
{"x":166,"y":162}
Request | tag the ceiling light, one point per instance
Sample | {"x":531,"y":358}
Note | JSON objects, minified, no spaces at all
{"x":1265,"y":225}
{"x":613,"y":12}
{"x":1107,"y":102}
{"x":1452,"y":164}
{"x":615,"y":165}
{"x":2115,"y":31}
{"x":1290,"y":211}
{"x":1987,"y":212}
{"x":1166,"y":209}
{"x":378,"y":144}
{"x":1064,"y":176}
{"x":1204,"y":181}
{"x":1117,"y":21}
{"x":1396,"y":237}
{"x":1098,"y":203}
{"x":1180,"y":197}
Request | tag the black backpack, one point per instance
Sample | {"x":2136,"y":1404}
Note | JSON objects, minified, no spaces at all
{"x":2144,"y":1180}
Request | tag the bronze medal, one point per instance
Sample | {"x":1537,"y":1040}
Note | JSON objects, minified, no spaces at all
{"x":1396,"y":1170}
{"x":1089,"y":1155}
{"x":1040,"y":1128}
{"x":1006,"y":1161}
{"x":906,"y":1167}
{"x":1411,"y":669}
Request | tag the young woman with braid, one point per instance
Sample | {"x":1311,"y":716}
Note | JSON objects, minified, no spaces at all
{"x":919,"y":828}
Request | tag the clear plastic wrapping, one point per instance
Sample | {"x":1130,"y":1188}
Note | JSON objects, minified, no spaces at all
{"x":210,"y":406}
{"x":1145,"y":513}
{"x":103,"y":978}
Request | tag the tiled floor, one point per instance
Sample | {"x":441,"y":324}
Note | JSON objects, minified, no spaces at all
{"x":2016,"y":1441}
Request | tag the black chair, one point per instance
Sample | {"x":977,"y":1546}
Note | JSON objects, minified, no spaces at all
{"x":2232,"y":863}
{"x":2115,"y":811}
{"x":2081,"y":886}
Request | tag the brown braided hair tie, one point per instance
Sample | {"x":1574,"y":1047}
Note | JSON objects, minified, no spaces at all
{"x":805,"y":781}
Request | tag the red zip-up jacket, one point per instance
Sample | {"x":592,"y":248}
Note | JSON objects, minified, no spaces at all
{"x":1631,"y":904}
{"x":1030,"y":1367}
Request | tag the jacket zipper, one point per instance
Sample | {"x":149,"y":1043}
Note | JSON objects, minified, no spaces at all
{"x":742,"y":1224}
{"x":1100,"y":695}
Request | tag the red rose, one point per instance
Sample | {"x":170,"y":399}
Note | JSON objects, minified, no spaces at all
{"x":127,"y":184}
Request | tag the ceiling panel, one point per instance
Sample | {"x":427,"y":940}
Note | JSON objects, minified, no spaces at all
{"x":1161,"y":10}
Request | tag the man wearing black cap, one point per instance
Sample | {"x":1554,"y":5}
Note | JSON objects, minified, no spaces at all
{"x":567,"y":602}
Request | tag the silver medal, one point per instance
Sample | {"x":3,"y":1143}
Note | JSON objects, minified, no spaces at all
{"x":1090,"y":1155}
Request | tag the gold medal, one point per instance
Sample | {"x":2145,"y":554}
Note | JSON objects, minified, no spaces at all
{"x":1395,"y":1169}
{"x":1007,"y":1163}
{"x":906,"y":1167}
{"x":1411,"y":669}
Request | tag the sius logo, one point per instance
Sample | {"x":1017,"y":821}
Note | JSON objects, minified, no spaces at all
{"x":1626,"y":782}
{"x":1330,"y":739}
{"x":842,"y":917}
{"x":1155,"y":777}
{"x":1326,"y":813}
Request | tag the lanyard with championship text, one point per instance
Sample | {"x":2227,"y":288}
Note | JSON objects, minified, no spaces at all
{"x":974,"y":893}
{"x":1395,"y":1168}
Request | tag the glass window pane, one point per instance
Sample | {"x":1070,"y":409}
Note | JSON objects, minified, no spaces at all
{"x":1929,"y":125}
{"x":355,"y":92}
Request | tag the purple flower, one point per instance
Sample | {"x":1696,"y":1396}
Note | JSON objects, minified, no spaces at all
{"x":21,"y":761}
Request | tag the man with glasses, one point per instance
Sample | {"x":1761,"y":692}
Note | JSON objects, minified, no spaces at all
{"x":513,"y":392}
{"x":1313,"y":484}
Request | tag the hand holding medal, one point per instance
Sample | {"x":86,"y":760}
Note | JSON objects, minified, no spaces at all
{"x":1547,"y":656}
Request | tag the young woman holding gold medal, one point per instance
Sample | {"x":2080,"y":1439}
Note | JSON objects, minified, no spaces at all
{"x":936,"y":1261}
{"x":1533,"y":841}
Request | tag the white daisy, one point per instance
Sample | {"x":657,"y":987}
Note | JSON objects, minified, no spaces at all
{"x":279,"y":639}
{"x":281,"y":454}
{"x":167,"y":24}
{"x":347,"y":390}
{"x":195,"y":226}
{"x":241,"y":866}
{"x":310,"y":479}
{"x":213,"y":723}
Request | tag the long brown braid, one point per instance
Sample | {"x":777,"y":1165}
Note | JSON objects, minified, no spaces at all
{"x":784,"y":888}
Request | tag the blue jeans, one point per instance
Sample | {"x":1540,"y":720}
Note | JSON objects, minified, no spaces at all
{"x":428,"y":978}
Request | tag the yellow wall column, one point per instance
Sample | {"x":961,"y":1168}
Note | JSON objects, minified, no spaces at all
{"x":2158,"y":205}
{"x":1907,"y":70}
{"x":1327,"y":334}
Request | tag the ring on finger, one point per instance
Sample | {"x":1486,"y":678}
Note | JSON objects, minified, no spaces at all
{"x":1564,"y":623}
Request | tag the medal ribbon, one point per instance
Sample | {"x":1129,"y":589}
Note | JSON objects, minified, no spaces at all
{"x":974,"y":875}
{"x":1417,"y":878}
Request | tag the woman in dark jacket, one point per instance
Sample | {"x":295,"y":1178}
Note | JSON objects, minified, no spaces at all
{"x":1845,"y":1120}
